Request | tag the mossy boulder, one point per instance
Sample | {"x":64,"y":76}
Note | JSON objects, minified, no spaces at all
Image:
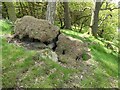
{"x":71,"y":50}
{"x":35,"y":28}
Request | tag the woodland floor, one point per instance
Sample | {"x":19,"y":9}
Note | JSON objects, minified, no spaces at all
{"x":22,"y":67}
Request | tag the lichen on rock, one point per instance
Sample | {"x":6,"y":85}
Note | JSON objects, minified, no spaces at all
{"x":70,"y":49}
{"x":47,"y":53}
{"x":50,"y":42}
{"x":35,"y":28}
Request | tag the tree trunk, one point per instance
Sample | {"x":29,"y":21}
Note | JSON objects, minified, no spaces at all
{"x":95,"y":18}
{"x":30,"y":8}
{"x":67,"y":21}
{"x":0,"y":10}
{"x":4,"y":10}
{"x":50,"y":15}
{"x":11,"y":11}
{"x":22,"y":9}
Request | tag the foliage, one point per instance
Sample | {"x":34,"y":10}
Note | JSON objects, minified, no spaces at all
{"x":29,"y":69}
{"x":106,"y":63}
{"x":110,"y":31}
{"x":80,"y":16}
{"x":5,"y":26}
{"x":84,"y":56}
{"x":108,"y":25}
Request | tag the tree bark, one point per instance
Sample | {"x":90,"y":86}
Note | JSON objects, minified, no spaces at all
{"x":11,"y":11}
{"x":21,"y":9}
{"x":30,"y":8}
{"x":67,"y":21}
{"x":4,"y":10}
{"x":50,"y":15}
{"x":0,"y":10}
{"x":95,"y":18}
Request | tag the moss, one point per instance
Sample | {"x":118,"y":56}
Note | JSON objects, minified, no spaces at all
{"x":84,"y":56}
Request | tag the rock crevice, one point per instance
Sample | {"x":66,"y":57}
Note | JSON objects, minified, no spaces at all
{"x":43,"y":34}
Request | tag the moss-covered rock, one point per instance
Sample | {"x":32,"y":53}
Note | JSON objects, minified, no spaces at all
{"x":35,"y":28}
{"x":71,"y":50}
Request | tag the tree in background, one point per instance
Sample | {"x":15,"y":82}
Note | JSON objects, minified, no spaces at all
{"x":11,"y":11}
{"x":0,"y":10}
{"x":71,"y":15}
{"x":95,"y":18}
{"x":80,"y":15}
{"x":4,"y":10}
{"x":67,"y":21}
{"x":108,"y":21}
{"x":50,"y":15}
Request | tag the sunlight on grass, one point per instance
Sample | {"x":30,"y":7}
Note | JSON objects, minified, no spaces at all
{"x":5,"y":27}
{"x":107,"y":62}
{"x":19,"y":63}
{"x":25,"y":68}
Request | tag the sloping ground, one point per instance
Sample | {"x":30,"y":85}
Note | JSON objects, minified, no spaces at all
{"x":25,"y":68}
{"x":106,"y":66}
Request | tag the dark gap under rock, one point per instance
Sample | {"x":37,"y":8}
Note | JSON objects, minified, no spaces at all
{"x":12,"y":39}
{"x":16,"y":36}
{"x":55,"y":41}
{"x":78,"y":58}
{"x":36,"y":42}
{"x":46,"y":43}
{"x":26,"y":38}
{"x":63,"y":52}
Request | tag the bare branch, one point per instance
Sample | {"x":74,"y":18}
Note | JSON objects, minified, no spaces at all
{"x":85,"y":16}
{"x":110,"y":8}
{"x":104,"y":19}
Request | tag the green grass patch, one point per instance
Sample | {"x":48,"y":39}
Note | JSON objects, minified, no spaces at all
{"x":19,"y":67}
{"x":5,"y":27}
{"x":84,"y":56}
{"x":107,"y":60}
{"x":25,"y":68}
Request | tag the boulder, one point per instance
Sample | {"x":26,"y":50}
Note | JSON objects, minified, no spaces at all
{"x":70,"y":50}
{"x":40,"y":34}
{"x":47,"y":53}
{"x":35,"y":28}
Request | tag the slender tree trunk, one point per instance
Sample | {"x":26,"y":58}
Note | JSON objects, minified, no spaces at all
{"x":67,"y":21}
{"x":24,"y":6}
{"x":61,"y":23}
{"x":4,"y":11}
{"x":95,"y":18}
{"x":0,"y":10}
{"x":18,"y":8}
{"x":11,"y":11}
{"x":21,"y":8}
{"x":30,"y":8}
{"x":37,"y":13}
{"x":50,"y":15}
{"x":33,"y":8}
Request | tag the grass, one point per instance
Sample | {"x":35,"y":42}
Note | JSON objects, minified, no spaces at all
{"x":107,"y":68}
{"x":107,"y":58}
{"x":18,"y":62}
{"x":5,"y":27}
{"x":25,"y":68}
{"x":84,"y":56}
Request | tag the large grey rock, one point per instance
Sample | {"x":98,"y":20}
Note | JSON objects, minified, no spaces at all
{"x":70,"y":50}
{"x":47,"y":53}
{"x":35,"y":28}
